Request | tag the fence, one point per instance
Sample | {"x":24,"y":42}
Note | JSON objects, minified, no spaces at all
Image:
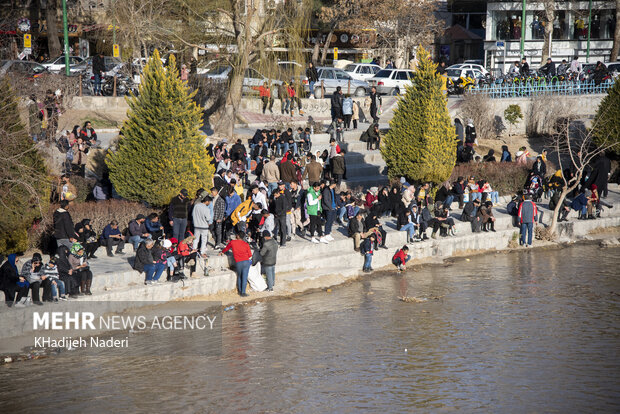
{"x":529,"y":89}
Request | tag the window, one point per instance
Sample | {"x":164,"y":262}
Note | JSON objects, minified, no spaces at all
{"x":350,"y":68}
{"x":385,"y":73}
{"x":366,"y":70}
{"x":342,"y":75}
{"x":376,"y":69}
{"x":326,"y":74}
{"x":402,"y":75}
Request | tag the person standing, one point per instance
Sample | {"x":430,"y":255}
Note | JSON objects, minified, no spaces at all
{"x":98,"y":69}
{"x":356,"y":114}
{"x":243,"y":260}
{"x":313,"y":77}
{"x":269,"y":253}
{"x":35,"y":116}
{"x":265,"y":96}
{"x":347,"y":111}
{"x":524,"y":70}
{"x":202,"y":216}
{"x":367,"y":249}
{"x":336,"y":104}
{"x":177,"y":214}
{"x":281,"y":208}
{"x":328,"y":204}
{"x":374,"y":100}
{"x":313,"y":202}
{"x":527,"y":217}
{"x":64,"y":229}
{"x":219,"y":215}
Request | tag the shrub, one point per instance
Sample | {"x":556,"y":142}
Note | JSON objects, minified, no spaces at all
{"x":506,"y":178}
{"x":102,"y":213}
{"x":606,"y":125}
{"x":163,"y":149}
{"x":421,"y":142}
{"x":479,"y":109}
{"x":84,"y":187}
{"x":24,"y":185}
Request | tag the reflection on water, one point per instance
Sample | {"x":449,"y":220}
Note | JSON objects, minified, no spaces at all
{"x":534,"y":331}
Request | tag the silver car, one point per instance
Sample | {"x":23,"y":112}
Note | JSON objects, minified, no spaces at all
{"x":332,"y":78}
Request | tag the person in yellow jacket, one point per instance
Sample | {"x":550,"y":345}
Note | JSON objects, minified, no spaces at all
{"x":241,"y":215}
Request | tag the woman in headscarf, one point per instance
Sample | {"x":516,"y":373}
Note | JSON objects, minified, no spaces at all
{"x":80,"y":268}
{"x":9,"y":278}
{"x":87,"y":238}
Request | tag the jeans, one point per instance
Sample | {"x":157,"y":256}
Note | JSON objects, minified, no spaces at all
{"x":341,"y":212}
{"x":282,"y":147}
{"x":202,"y":239}
{"x":242,"y":275}
{"x":136,"y":240}
{"x":448,"y":201}
{"x":311,"y":86}
{"x":367,"y":260}
{"x":97,"y":84}
{"x":248,"y":162}
{"x":475,"y":196}
{"x":271,"y":187}
{"x":59,"y":287}
{"x":178,"y":228}
{"x":494,"y":197}
{"x":154,"y":270}
{"x":410,"y":229}
{"x":529,"y":229}
{"x":270,"y":272}
{"x":398,"y":261}
{"x":330,"y":216}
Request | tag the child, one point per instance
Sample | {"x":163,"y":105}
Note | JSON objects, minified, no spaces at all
{"x":401,"y":258}
{"x":58,"y":286}
{"x":366,"y":248}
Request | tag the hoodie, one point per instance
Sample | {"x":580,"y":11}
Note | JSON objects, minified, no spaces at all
{"x":63,"y":225}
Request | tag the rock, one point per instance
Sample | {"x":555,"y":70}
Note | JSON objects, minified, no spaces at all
{"x":609,"y":243}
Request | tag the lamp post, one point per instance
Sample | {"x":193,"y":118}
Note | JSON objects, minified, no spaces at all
{"x":66,"y":35}
{"x":589,"y":28}
{"x":523,"y":30}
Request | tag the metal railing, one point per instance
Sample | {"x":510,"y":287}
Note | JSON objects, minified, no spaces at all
{"x":531,"y":88}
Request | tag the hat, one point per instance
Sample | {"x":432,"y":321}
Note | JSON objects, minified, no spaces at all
{"x":52,"y":260}
{"x":140,"y":217}
{"x":184,"y":192}
{"x":403,"y":180}
{"x":167,"y":244}
{"x":266,"y":233}
{"x":36,"y":257}
{"x":173,"y":240}
{"x":75,"y":248}
{"x":280,"y":183}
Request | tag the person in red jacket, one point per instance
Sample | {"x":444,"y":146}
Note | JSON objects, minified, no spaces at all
{"x":401,"y":258}
{"x":265,"y":96}
{"x":243,"y":260}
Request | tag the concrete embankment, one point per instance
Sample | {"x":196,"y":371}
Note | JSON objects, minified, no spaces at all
{"x":301,"y":266}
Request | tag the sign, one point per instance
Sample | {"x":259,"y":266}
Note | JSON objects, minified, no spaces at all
{"x":116,"y":50}
{"x":335,"y":53}
{"x":28,"y":40}
{"x":27,"y":51}
{"x":499,"y":44}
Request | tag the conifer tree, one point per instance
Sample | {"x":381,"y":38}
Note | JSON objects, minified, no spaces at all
{"x":24,"y":183}
{"x":606,"y":122}
{"x":421,"y":142}
{"x":162,"y":149}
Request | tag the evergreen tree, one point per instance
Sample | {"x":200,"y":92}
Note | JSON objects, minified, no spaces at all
{"x":24,"y":183}
{"x":162,"y":150}
{"x":606,"y":122}
{"x":421,"y":142}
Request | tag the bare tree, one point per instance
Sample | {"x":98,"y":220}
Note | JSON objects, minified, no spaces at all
{"x":616,"y":45}
{"x":51,"y":16}
{"x":576,"y":150}
{"x":549,"y":17}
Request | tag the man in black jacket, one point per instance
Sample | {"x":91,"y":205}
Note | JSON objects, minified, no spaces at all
{"x":374,"y":99}
{"x":357,"y":230}
{"x":336,"y":102}
{"x":98,"y":69}
{"x":268,"y":254}
{"x":525,"y":68}
{"x":64,"y":229}
{"x":458,"y":189}
{"x":237,"y":152}
{"x":281,"y":207}
{"x":177,"y":214}
{"x":470,"y":213}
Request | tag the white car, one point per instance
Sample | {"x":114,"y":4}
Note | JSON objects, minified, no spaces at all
{"x":455,"y":73}
{"x":362,"y":71}
{"x":58,"y":64}
{"x":469,"y":66}
{"x":391,"y":81}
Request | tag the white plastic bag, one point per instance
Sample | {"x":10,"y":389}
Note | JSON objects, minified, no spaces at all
{"x":255,"y":279}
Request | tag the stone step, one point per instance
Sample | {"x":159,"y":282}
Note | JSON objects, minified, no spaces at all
{"x":369,"y":171}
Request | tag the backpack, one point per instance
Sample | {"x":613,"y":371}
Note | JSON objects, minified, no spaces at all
{"x":511,"y":208}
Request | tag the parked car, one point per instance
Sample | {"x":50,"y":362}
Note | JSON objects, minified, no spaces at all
{"x":455,"y":73}
{"x":58,"y":64}
{"x":253,"y":79}
{"x":469,"y":66}
{"x":22,"y":67}
{"x":362,"y":71}
{"x":219,"y":73}
{"x":391,"y":81}
{"x":86,"y":66}
{"x":332,"y":78}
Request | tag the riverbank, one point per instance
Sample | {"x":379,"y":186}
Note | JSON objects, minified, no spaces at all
{"x":301,"y":267}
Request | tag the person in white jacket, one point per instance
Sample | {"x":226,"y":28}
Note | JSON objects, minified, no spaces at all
{"x":203,"y":219}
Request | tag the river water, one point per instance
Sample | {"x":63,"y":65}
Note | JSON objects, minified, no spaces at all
{"x":533,"y":331}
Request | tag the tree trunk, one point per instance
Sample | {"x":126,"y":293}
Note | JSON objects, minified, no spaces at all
{"x":53,"y":43}
{"x":556,"y":212}
{"x":549,"y":17}
{"x":317,"y":48}
{"x":616,"y":46}
{"x":328,"y":41}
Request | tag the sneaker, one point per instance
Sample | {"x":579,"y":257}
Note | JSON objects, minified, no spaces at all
{"x":314,"y":240}
{"x":148,"y":282}
{"x":64,"y":298}
{"x":110,"y":255}
{"x":329,"y":237}
{"x":20,"y":305}
{"x":400,"y":268}
{"x":38,"y":302}
{"x":324,"y":240}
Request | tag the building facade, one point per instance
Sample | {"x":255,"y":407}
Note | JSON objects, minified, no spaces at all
{"x":569,"y":37}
